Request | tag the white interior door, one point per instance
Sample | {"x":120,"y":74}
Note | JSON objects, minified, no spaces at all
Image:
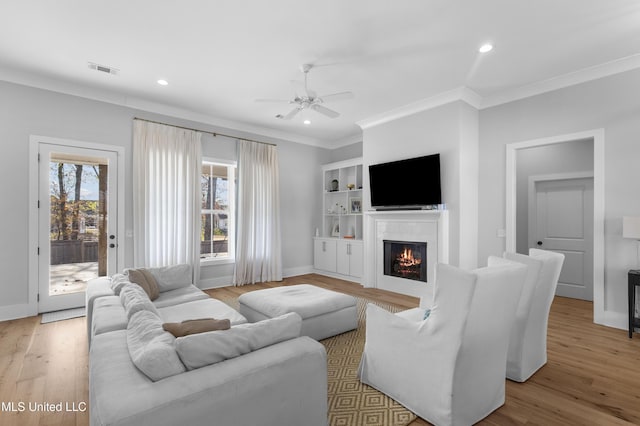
{"x":77,"y":222}
{"x":561,"y":219}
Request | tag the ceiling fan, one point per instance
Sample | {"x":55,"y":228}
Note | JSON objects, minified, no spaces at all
{"x":309,"y":100}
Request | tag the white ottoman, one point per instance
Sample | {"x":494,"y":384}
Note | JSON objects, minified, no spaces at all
{"x":324,"y":313}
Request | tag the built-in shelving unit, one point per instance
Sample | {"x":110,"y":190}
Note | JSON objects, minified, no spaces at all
{"x":338,"y":248}
{"x":342,"y":201}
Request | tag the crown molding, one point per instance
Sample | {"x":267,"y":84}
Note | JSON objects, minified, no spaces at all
{"x":112,"y":97}
{"x":566,"y":80}
{"x":348,"y":140}
{"x":459,"y":94}
{"x":479,"y":102}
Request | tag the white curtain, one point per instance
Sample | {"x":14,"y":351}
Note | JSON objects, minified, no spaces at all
{"x":258,"y":245}
{"x":167,"y":163}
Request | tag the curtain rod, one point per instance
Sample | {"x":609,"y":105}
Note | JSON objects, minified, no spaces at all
{"x":204,"y":131}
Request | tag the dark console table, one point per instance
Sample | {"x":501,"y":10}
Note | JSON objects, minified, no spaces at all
{"x":634,"y":281}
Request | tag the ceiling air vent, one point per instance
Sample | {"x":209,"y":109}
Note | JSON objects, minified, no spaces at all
{"x":103,"y":68}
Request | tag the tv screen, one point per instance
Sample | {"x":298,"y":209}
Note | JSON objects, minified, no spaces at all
{"x":410,"y":183}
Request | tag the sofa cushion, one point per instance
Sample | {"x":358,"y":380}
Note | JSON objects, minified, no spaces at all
{"x":180,"y":295}
{"x":196,"y":326}
{"x":135,"y":299}
{"x":172,"y":277}
{"x":96,"y":289}
{"x":152,"y":349}
{"x":198,"y":350}
{"x":108,"y":315}
{"x":205,"y":308}
{"x":146,"y":280}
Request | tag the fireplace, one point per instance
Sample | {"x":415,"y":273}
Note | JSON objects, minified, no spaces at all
{"x":430,"y":227}
{"x":405,"y":259}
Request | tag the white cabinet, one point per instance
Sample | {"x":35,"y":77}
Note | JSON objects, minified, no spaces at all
{"x":325,"y":254}
{"x":349,"y":258}
{"x":338,"y":247}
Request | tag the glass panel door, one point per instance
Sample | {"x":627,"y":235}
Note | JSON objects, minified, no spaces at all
{"x":77,"y":213}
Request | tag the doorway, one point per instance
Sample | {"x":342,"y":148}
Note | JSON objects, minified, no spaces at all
{"x":561,"y":220}
{"x":77,"y":219}
{"x":597,"y":137}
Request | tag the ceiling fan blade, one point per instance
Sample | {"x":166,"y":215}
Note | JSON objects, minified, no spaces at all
{"x":272,"y":100}
{"x":291,"y":114}
{"x":324,"y":110}
{"x":337,"y":96}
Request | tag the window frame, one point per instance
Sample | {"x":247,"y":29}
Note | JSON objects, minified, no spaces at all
{"x":232,"y":167}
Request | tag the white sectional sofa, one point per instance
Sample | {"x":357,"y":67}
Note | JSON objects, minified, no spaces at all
{"x":262,"y":373}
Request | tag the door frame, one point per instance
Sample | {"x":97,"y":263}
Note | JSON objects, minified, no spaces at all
{"x":34,"y":144}
{"x":532,"y":200}
{"x":600,"y":314}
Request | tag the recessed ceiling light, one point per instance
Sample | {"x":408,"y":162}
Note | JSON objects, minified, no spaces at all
{"x":485,"y":48}
{"x":307,"y":122}
{"x":163,"y":82}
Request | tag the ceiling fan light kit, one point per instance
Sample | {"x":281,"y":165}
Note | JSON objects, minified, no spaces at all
{"x":310,"y":100}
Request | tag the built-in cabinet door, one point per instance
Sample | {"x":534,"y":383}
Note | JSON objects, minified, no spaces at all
{"x":356,"y":259}
{"x":324,"y":253}
{"x":350,"y":258}
{"x":343,"y":258}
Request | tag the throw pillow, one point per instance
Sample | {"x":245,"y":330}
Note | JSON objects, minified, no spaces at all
{"x":196,"y":326}
{"x":146,"y":280}
{"x":152,"y":349}
{"x":199,"y":350}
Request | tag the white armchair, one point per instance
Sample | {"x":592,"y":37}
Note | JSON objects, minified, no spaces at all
{"x":528,"y":342}
{"x":449,"y":369}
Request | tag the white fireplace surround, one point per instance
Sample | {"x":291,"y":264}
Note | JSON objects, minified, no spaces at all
{"x":430,"y":226}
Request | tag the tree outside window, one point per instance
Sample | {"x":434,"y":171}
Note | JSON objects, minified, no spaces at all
{"x":217,"y":186}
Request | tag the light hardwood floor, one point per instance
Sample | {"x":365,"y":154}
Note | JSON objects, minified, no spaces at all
{"x":592,"y":376}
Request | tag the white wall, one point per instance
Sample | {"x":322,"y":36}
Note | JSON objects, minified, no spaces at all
{"x":346,"y":152}
{"x":450,"y":130}
{"x":26,"y":111}
{"x":611,"y":103}
{"x":575,"y":156}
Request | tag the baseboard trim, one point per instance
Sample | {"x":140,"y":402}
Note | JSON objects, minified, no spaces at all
{"x":12,"y":312}
{"x":298,"y":270}
{"x":613,"y":319}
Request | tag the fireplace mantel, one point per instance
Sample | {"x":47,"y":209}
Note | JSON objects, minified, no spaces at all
{"x":431,"y":226}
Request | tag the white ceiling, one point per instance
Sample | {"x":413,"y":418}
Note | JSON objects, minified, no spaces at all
{"x":219,"y":56}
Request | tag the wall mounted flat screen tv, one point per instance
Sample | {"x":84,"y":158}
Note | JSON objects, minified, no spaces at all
{"x":411,"y":183}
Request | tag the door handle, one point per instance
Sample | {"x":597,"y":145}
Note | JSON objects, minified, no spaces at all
{"x":112,"y":245}
{"x":324,"y":246}
{"x":112,"y":237}
{"x":539,"y":243}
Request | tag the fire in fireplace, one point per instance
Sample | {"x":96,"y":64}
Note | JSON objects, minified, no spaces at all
{"x":406,"y":259}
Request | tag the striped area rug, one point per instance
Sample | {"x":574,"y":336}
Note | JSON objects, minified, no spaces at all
{"x":352,"y":403}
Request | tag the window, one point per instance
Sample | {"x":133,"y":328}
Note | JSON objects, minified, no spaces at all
{"x":217,"y":186}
